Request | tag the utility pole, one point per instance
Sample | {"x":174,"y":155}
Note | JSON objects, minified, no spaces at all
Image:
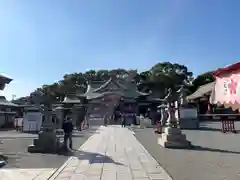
{"x":13,"y":97}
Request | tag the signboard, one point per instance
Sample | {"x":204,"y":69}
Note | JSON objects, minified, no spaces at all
{"x":32,"y":117}
{"x":32,"y":121}
{"x":188,"y":113}
{"x":227,"y":91}
{"x":227,"y":87}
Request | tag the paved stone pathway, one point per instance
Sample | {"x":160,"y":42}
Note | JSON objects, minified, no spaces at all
{"x":26,"y":174}
{"x":27,"y":166}
{"x":113,"y":153}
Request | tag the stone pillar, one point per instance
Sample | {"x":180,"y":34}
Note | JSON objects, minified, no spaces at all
{"x":163,"y":116}
{"x":177,"y":114}
{"x":59,"y":111}
{"x":74,"y":115}
{"x":171,"y":121}
{"x":209,"y":109}
{"x":47,"y":124}
{"x":88,"y":112}
{"x":78,"y":115}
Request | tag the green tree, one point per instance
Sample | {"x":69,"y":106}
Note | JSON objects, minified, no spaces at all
{"x":201,"y":80}
{"x":163,"y":76}
{"x":171,"y":74}
{"x":43,"y":95}
{"x":73,"y":82}
{"x":90,"y":75}
{"x":160,"y":77}
{"x":102,"y":75}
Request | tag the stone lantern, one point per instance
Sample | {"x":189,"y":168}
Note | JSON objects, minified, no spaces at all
{"x":47,"y":141}
{"x":172,"y":136}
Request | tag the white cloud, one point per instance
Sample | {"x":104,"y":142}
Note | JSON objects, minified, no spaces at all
{"x":19,"y":88}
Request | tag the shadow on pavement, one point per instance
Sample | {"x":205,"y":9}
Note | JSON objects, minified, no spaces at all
{"x":204,"y":129}
{"x":92,"y":157}
{"x":15,"y":149}
{"x":214,"y":156}
{"x":3,"y":161}
{"x":200,"y":148}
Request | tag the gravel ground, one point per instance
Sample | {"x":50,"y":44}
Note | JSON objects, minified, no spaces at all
{"x":15,"y":149}
{"x":216,"y":156}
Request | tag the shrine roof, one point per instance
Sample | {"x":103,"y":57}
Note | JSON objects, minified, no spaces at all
{"x":143,"y":93}
{"x":201,"y":91}
{"x":104,"y":85}
{"x":113,"y":85}
{"x":4,"y":102}
{"x":72,"y":99}
{"x":94,"y":95}
{"x":96,"y":84}
{"x":227,"y":70}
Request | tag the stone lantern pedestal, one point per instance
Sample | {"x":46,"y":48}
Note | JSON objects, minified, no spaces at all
{"x":172,"y":136}
{"x":48,"y":141}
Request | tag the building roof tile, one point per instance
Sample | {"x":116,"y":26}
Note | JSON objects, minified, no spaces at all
{"x":201,"y":91}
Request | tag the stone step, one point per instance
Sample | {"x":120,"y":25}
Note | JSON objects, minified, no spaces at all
{"x":175,"y":144}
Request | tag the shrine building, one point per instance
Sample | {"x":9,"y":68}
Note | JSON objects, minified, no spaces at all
{"x":104,"y":102}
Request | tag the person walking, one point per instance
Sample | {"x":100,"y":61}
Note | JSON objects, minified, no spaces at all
{"x":67,"y":128}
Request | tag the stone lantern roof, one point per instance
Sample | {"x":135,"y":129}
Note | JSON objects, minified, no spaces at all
{"x":4,"y":80}
{"x":3,"y":102}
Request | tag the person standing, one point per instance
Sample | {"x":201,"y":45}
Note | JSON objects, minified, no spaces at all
{"x":67,"y":128}
{"x":123,"y":121}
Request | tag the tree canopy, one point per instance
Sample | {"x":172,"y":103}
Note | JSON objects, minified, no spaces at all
{"x":161,"y":76}
{"x":201,"y":80}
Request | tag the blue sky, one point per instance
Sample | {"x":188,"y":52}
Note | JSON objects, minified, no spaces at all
{"x":40,"y":41}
